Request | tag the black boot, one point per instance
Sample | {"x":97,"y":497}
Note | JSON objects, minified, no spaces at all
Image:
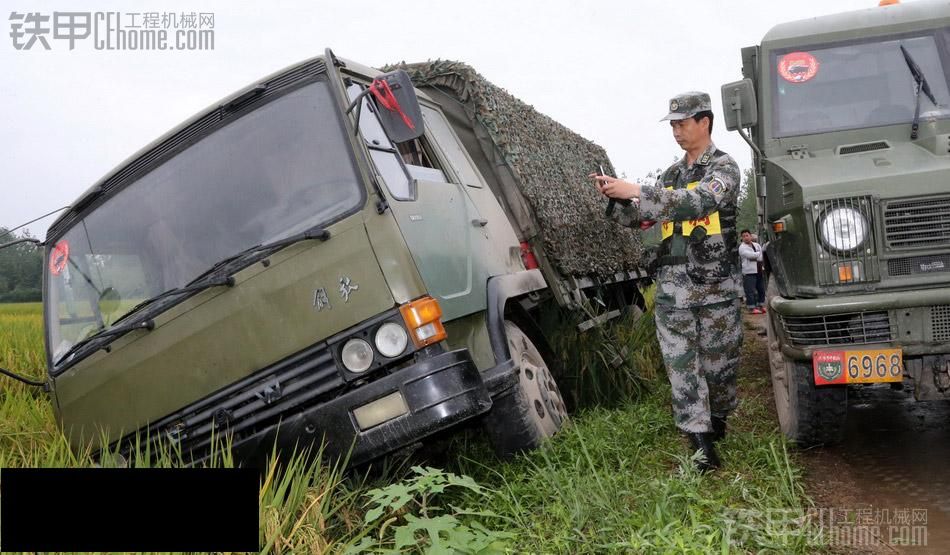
{"x":703,"y":442}
{"x":719,"y":427}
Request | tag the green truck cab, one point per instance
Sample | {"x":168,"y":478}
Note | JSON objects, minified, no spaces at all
{"x":850,"y":129}
{"x":317,"y":258}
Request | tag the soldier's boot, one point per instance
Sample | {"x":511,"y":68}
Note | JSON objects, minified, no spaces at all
{"x":719,"y":427}
{"x":703,"y":442}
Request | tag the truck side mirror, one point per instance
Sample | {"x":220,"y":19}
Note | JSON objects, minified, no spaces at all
{"x":738,"y":105}
{"x":398,"y":108}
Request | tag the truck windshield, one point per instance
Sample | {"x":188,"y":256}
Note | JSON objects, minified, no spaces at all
{"x":823,"y":88}
{"x":282,"y":168}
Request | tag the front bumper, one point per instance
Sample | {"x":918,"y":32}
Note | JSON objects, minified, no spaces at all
{"x":916,"y":321}
{"x":439,"y":392}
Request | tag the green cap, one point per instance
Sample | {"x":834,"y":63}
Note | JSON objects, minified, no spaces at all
{"x":687,"y":105}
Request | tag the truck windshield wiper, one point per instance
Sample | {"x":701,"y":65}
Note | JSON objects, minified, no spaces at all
{"x":220,"y":282}
{"x":920,"y":84}
{"x":315,"y":232}
{"x":114,"y":332}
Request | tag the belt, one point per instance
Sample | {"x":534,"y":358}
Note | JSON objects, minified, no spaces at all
{"x":670,"y":260}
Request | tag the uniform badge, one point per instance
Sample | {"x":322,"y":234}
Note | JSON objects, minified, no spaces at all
{"x":674,"y":105}
{"x":704,"y":159}
{"x":716,"y":186}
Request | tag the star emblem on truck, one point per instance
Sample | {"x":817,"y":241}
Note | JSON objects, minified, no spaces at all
{"x":346,"y":287}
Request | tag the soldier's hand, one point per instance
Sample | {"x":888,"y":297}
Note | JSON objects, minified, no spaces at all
{"x":616,"y":188}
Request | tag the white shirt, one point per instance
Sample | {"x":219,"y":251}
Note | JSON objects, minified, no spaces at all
{"x":751,"y":255}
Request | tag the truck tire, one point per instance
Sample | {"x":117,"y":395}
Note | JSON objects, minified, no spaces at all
{"x":808,"y":415}
{"x":530,"y":411}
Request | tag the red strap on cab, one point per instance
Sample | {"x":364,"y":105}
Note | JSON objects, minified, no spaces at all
{"x":384,"y":95}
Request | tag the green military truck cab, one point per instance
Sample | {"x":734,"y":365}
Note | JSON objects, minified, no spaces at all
{"x":850,"y":128}
{"x":307,"y":261}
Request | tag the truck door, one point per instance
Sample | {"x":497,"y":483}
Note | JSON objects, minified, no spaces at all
{"x":433,"y":214}
{"x":499,"y":242}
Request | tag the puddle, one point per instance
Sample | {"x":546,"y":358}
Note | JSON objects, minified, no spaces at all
{"x":897,"y":452}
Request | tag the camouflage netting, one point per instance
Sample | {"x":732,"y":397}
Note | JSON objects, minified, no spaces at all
{"x":546,"y":161}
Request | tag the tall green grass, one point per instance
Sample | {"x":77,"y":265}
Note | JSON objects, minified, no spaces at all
{"x":617,"y":480}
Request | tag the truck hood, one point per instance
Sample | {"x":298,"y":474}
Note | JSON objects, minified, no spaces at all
{"x":220,"y":336}
{"x":889,"y":172}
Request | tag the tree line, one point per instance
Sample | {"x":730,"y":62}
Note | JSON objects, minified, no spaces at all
{"x":21,"y":269}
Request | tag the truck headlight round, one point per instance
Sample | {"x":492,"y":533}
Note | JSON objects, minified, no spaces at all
{"x":357,"y":355}
{"x":391,"y":340}
{"x":843,"y":229}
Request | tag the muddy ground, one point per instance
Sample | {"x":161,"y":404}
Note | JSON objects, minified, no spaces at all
{"x":886,"y":487}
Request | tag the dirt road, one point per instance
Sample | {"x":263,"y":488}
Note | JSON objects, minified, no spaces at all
{"x":886,"y":488}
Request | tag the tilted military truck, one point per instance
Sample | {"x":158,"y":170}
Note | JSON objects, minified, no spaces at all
{"x":321,"y":257}
{"x":850,"y":128}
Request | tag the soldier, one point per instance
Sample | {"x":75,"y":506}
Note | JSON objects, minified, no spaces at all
{"x":698,"y":320}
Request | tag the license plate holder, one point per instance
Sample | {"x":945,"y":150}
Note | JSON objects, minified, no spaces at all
{"x":846,"y":366}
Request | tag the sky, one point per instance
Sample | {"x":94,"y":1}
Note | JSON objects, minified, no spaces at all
{"x":605,"y":69}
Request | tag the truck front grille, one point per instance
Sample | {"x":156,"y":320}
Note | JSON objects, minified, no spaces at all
{"x":250,"y":404}
{"x":918,"y":265}
{"x":940,"y":322}
{"x":918,"y":223}
{"x":838,"y":329}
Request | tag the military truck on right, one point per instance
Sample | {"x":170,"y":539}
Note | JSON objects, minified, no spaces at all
{"x":849,"y":120}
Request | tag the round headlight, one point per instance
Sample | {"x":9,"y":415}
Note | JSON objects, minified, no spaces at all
{"x":357,"y":355}
{"x":843,"y":229}
{"x":391,"y":340}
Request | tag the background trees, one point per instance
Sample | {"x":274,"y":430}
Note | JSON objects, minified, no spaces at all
{"x":21,"y":269}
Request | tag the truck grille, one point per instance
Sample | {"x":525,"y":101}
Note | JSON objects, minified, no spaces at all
{"x":940,"y":322}
{"x":838,"y":329}
{"x":918,"y":265}
{"x":256,"y":401}
{"x":917,"y":223}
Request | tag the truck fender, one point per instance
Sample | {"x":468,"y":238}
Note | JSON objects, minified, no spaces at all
{"x":500,"y":290}
{"x":775,"y":269}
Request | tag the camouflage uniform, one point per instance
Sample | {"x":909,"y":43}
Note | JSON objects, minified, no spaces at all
{"x":698,"y":320}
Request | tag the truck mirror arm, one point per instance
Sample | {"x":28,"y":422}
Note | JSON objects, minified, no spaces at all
{"x":36,"y":242}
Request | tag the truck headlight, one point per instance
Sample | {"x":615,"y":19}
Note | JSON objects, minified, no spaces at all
{"x":357,"y":355}
{"x":391,"y":340}
{"x":843,"y":229}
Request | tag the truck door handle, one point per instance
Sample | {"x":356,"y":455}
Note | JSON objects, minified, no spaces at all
{"x":480,"y":222}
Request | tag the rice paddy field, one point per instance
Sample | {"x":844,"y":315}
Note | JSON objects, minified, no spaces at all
{"x":617,"y":480}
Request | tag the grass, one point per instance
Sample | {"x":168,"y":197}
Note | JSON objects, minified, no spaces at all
{"x":619,"y":479}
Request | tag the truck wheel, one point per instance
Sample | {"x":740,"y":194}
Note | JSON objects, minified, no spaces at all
{"x":808,"y":415}
{"x":531,"y":410}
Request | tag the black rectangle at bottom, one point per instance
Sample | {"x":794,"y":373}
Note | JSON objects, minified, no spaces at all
{"x":82,"y":509}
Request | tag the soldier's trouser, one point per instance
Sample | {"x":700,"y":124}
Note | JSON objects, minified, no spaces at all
{"x":700,"y":347}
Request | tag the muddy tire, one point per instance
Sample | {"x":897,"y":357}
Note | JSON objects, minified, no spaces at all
{"x":532,"y":410}
{"x":808,"y":415}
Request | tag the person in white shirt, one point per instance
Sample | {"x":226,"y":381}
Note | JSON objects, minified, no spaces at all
{"x":750,"y":253}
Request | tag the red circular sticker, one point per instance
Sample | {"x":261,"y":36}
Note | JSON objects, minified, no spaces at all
{"x":58,"y":257}
{"x":797,"y":67}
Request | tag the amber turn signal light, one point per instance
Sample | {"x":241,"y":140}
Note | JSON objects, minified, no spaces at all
{"x":423,"y":319}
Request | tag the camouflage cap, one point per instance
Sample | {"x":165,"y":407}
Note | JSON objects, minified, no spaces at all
{"x":687,"y":105}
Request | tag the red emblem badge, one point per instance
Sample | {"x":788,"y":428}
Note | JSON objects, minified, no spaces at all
{"x":797,"y":67}
{"x":58,"y":258}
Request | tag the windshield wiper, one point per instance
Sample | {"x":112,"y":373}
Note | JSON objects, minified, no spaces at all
{"x":220,"y":282}
{"x":315,"y":232}
{"x":920,"y":84}
{"x":113,"y":332}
